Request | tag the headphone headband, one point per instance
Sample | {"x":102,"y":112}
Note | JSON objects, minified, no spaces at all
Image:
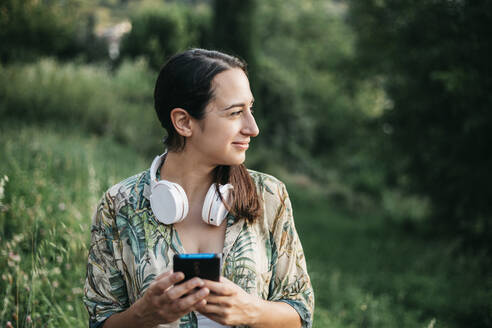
{"x":153,"y":168}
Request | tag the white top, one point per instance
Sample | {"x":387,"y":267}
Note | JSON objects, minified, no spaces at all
{"x":204,"y":322}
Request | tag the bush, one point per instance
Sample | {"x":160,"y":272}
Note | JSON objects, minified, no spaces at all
{"x":84,"y":96}
{"x":29,"y":29}
{"x":310,"y":111}
{"x":160,"y":31}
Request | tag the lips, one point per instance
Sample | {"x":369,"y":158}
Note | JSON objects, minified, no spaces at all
{"x":241,"y":144}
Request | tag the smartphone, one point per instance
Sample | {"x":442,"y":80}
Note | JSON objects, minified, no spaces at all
{"x":203,"y":265}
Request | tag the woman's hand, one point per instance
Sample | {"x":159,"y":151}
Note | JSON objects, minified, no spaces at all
{"x":165,"y":302}
{"x":229,"y":304}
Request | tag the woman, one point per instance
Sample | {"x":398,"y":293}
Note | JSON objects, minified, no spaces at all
{"x":203,"y":100}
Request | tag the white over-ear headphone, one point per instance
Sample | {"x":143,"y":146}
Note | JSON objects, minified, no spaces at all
{"x":170,"y":205}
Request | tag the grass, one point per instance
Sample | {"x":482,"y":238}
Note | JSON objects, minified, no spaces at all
{"x":366,"y":271}
{"x":93,"y":98}
{"x":370,"y":272}
{"x":54,"y":182}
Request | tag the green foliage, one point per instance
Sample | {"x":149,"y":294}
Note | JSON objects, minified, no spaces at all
{"x":368,"y":273}
{"x":234,"y":27}
{"x":161,"y":30}
{"x":84,"y":96}
{"x":308,"y":107}
{"x":434,"y":59}
{"x":403,"y":208}
{"x":29,"y":29}
{"x":54,"y":183}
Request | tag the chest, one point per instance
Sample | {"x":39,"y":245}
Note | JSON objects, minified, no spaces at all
{"x":198,"y":237}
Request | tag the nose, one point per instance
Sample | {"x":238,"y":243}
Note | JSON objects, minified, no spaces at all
{"x":249,"y":125}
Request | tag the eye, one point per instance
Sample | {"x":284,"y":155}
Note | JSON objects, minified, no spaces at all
{"x":236,"y":113}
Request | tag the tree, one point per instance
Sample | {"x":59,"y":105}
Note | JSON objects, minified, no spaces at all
{"x":159,"y":31}
{"x":234,"y":28}
{"x":434,"y":59}
{"x":30,"y":28}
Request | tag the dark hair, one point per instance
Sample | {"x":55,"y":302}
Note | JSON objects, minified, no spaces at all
{"x":185,"y":81}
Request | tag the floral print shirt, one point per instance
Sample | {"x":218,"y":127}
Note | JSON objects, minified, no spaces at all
{"x":129,"y":248}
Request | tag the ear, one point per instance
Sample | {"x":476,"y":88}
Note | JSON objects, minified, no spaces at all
{"x":182,"y":121}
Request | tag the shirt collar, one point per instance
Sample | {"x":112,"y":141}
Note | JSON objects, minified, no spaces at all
{"x":146,"y":186}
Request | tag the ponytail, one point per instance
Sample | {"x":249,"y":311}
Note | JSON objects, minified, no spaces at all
{"x":245,"y":203}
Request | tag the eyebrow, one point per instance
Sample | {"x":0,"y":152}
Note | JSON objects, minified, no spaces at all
{"x":238,"y":105}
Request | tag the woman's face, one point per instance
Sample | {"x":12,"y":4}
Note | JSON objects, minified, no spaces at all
{"x":223,"y":135}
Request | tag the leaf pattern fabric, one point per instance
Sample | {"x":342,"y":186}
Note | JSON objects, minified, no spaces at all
{"x":129,"y":248}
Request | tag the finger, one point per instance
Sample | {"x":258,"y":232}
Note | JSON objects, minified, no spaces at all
{"x":199,"y":304}
{"x":211,"y":309}
{"x":163,"y":284}
{"x":224,"y":279}
{"x":188,"y":303}
{"x":184,"y":288}
{"x":218,"y":300}
{"x":162,"y":275}
{"x":219,"y":288}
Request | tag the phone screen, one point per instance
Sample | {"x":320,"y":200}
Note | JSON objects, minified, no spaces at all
{"x":203,"y":265}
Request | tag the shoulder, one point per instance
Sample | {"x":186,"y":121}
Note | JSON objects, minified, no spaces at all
{"x":273,"y":195}
{"x":131,"y":189}
{"x":266,"y":183}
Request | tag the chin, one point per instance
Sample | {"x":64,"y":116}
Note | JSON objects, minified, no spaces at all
{"x":236,"y":160}
{"x":232,"y":163}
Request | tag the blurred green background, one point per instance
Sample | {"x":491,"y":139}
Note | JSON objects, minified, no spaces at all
{"x":376,"y":113}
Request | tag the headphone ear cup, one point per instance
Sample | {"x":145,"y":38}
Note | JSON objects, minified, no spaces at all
{"x":168,"y":202}
{"x":214,"y":210}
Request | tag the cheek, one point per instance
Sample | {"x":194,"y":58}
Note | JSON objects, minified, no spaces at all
{"x":221,"y":132}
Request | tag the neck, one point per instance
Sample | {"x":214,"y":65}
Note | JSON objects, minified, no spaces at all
{"x":189,"y":172}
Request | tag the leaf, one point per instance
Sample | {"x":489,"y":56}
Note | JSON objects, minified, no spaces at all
{"x":132,"y":230}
